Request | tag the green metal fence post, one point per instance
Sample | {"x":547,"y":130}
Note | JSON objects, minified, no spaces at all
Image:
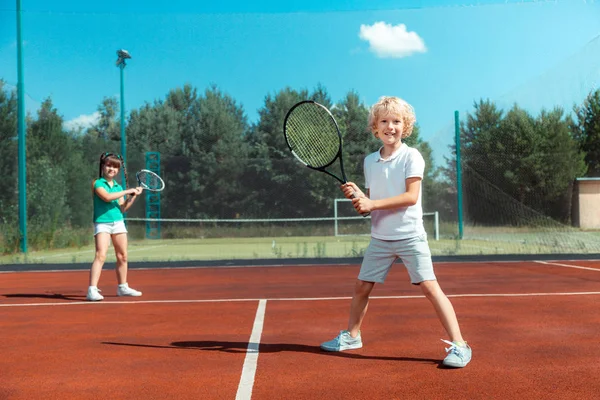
{"x":458,"y":176}
{"x":21,"y":128}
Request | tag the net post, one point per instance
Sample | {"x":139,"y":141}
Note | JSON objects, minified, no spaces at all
{"x":436,"y":225}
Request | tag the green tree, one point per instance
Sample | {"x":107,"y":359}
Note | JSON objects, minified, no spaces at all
{"x":477,"y":135}
{"x":9,"y":229}
{"x":47,"y":163}
{"x":586,"y":130}
{"x":283,"y":186}
{"x":432,"y":189}
{"x":213,"y":146}
{"x":352,"y":118}
{"x":8,"y":146}
{"x":277,"y":182}
{"x":517,"y":168}
{"x":108,"y":126}
{"x":561,"y":163}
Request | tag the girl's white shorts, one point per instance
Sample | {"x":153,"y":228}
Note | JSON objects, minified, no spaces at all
{"x":111,"y":228}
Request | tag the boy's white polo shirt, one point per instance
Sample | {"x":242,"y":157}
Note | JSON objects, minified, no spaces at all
{"x":387,"y":178}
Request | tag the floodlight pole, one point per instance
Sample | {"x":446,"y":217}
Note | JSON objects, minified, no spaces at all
{"x":121,"y":64}
{"x":123,"y":144}
{"x":21,"y":127}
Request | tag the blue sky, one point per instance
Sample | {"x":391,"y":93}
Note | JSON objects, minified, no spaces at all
{"x":438,"y":55}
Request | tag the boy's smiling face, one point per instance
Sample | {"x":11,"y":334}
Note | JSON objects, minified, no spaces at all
{"x":389,"y":129}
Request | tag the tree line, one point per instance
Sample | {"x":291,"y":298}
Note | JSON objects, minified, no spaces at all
{"x":216,"y":164}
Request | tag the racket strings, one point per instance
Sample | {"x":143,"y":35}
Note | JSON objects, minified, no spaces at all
{"x":313,"y":135}
{"x":148,"y":180}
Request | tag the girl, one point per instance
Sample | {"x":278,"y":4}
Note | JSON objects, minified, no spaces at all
{"x":109,"y":206}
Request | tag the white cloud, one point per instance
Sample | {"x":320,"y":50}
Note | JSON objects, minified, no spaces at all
{"x":388,"y":41}
{"x":82,"y":122}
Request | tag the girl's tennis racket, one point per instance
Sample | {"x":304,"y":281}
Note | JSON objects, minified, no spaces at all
{"x":150,"y":180}
{"x":313,"y":136}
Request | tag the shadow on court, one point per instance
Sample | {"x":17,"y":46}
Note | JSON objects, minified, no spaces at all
{"x":242,"y":347}
{"x":50,"y":296}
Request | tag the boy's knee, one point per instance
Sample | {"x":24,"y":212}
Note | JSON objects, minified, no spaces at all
{"x":363,"y":288}
{"x":430,"y":289}
{"x":100,"y":257}
{"x":122,"y":257}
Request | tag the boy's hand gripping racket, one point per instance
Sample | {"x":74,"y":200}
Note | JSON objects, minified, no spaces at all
{"x":313,"y":136}
{"x":150,"y":180}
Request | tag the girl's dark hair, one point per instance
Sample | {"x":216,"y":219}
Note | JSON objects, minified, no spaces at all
{"x":114,"y":160}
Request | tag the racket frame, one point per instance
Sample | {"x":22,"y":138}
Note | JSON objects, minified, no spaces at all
{"x":140,"y":183}
{"x":343,"y":179}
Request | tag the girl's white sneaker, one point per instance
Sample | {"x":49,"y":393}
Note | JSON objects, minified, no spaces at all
{"x":125,"y":290}
{"x":93,"y":294}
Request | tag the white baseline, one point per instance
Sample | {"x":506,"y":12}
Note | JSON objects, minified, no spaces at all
{"x":246,"y":385}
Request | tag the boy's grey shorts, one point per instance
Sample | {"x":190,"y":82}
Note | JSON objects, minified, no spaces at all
{"x":413,"y":252}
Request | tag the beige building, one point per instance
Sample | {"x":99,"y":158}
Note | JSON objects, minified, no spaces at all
{"x":586,"y":203}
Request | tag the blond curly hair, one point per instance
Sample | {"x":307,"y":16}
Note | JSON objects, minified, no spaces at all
{"x":390,"y":105}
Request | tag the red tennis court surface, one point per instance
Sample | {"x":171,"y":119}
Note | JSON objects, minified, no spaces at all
{"x":254,"y":332}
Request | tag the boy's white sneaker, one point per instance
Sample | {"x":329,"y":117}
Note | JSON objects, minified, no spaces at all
{"x":125,"y":290}
{"x":93,"y":294}
{"x":342,"y":342}
{"x":458,"y":355}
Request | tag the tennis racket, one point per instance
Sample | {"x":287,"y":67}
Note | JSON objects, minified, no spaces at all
{"x":150,"y":180}
{"x":313,"y":136}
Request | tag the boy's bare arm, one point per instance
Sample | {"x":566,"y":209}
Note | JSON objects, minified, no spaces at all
{"x":409,"y":198}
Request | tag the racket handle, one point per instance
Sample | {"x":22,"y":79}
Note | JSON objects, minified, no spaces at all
{"x":363,"y":214}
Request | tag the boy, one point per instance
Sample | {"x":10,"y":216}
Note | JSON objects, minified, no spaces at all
{"x":393,"y":177}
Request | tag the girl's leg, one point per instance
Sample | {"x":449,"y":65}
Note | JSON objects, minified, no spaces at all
{"x":443,"y":308}
{"x":120,"y":244}
{"x":102,"y":241}
{"x":359,"y":305}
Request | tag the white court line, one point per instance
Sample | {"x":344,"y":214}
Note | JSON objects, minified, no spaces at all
{"x":109,"y":303}
{"x":568,"y":266}
{"x":246,"y":385}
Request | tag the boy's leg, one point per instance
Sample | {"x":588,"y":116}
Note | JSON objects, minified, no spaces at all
{"x":374,"y":269}
{"x":350,"y":339}
{"x":417,"y":259}
{"x":359,"y":305}
{"x":443,"y":308}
